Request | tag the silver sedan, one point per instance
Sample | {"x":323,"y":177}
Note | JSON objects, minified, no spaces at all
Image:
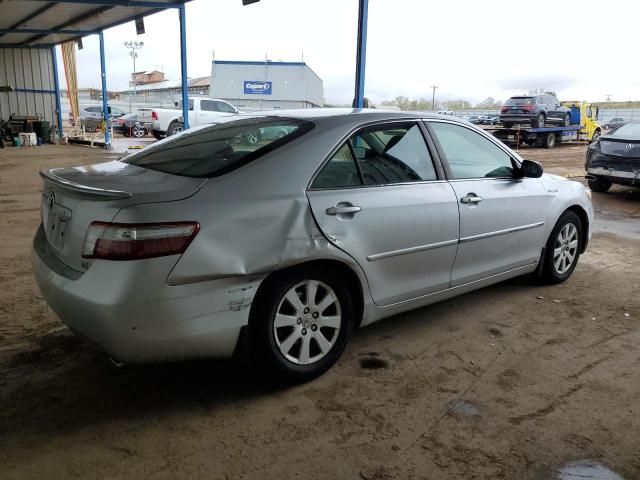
{"x":203,"y":241}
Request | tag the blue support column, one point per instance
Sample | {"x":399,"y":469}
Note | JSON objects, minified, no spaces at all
{"x":56,"y":81}
{"x":105,"y":95}
{"x":183,"y":68}
{"x":361,"y":53}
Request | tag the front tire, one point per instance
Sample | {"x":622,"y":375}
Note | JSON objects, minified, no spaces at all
{"x":174,"y":128}
{"x":599,"y":184}
{"x":563,"y":249}
{"x":566,"y":121}
{"x":300,"y":324}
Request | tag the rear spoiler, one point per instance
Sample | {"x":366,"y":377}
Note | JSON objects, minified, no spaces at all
{"x":99,"y":193}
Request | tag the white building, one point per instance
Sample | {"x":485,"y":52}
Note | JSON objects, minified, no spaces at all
{"x":266,"y":85}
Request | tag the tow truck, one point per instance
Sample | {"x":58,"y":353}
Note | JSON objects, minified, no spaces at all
{"x":584,"y":127}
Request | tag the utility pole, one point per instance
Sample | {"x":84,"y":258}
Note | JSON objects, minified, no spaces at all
{"x":433,"y":97}
{"x":133,"y":46}
{"x":608,"y":97}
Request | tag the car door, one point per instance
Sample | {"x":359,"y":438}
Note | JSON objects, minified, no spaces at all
{"x":379,"y":199}
{"x":208,"y":112}
{"x":501,"y":217}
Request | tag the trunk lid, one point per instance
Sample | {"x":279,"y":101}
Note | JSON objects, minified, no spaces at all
{"x":620,"y":147}
{"x":74,"y":197}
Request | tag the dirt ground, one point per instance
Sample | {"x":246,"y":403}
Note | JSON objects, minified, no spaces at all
{"x":511,"y":381}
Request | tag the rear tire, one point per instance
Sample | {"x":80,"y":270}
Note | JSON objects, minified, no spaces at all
{"x":299,"y":339}
{"x":157,"y":135}
{"x":539,"y":121}
{"x":599,"y":184}
{"x":549,"y":140}
{"x":563,"y":249}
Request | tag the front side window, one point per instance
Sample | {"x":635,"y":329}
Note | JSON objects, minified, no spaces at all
{"x":208,"y":106}
{"x":225,"y":107}
{"x":216,"y":149}
{"x":469,"y":154}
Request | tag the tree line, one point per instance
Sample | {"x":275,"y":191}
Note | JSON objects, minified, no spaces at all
{"x":404,"y":103}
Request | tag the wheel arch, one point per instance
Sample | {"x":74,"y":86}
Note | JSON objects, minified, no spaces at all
{"x":584,"y":219}
{"x":353,"y":283}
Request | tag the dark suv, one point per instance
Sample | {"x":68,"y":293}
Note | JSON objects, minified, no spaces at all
{"x":535,"y":109}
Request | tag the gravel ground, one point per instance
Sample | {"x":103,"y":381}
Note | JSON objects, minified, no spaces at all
{"x":512,"y":381}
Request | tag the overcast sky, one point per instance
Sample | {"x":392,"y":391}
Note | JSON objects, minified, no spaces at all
{"x":471,"y":49}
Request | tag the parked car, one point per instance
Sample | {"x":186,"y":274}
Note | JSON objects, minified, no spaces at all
{"x":200,"y":241}
{"x":475,"y":119}
{"x":538,"y":110}
{"x":614,"y":123}
{"x":491,"y":120}
{"x":169,"y":121}
{"x":129,"y":126}
{"x":614,"y":158}
{"x":446,"y":112}
{"x":96,"y":112}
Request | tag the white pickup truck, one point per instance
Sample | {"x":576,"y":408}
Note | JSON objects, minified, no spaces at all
{"x":169,"y":121}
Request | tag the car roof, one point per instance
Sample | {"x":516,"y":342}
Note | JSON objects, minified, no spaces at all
{"x":361,"y":114}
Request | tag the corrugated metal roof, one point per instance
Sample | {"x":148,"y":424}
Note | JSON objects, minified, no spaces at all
{"x":168,"y":84}
{"x":32,"y":23}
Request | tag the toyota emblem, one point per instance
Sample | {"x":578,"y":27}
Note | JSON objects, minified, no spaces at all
{"x":52,"y":199}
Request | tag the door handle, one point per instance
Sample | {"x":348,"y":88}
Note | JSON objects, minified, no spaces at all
{"x":342,"y":210}
{"x":471,"y":198}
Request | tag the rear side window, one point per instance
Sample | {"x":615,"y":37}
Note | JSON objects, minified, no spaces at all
{"x":217,"y":149}
{"x":384,"y":154}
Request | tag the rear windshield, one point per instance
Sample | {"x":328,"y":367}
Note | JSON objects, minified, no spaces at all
{"x":628,"y":130}
{"x":520,"y":101}
{"x":217,"y":149}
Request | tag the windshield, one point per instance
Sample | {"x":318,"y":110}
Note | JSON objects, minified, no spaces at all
{"x":628,"y":130}
{"x":520,"y":101}
{"x":217,"y":149}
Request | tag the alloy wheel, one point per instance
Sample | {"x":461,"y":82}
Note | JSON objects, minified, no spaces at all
{"x":307,"y":322}
{"x":565,"y":248}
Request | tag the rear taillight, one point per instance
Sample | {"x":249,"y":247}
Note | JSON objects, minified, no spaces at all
{"x":504,"y":110}
{"x":123,"y":241}
{"x":527,"y":107}
{"x":154,"y":115}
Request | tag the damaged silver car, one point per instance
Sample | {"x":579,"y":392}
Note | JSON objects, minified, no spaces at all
{"x":203,"y":239}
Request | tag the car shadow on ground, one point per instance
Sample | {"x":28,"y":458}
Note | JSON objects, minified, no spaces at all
{"x":67,"y":384}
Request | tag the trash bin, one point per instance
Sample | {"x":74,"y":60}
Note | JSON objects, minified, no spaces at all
{"x":43,"y":131}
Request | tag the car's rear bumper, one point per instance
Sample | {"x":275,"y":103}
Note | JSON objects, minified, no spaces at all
{"x":519,"y":117}
{"x":620,"y":177}
{"x":131,"y":313}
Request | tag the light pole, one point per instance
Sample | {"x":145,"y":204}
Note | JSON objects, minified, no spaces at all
{"x":133,"y":46}
{"x":433,"y":98}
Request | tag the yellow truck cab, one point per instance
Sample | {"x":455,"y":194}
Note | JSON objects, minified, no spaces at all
{"x":587,"y":116}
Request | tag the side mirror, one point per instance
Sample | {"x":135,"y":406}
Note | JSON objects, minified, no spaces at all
{"x":531,"y":169}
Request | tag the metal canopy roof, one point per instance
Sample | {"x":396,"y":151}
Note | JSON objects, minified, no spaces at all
{"x":42,"y":23}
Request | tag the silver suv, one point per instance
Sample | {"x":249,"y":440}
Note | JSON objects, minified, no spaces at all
{"x":538,"y":110}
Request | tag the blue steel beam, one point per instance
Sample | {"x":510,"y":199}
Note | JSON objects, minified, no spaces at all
{"x":46,"y":31}
{"x":105,"y":95}
{"x":361,"y":52}
{"x":126,"y":3}
{"x":183,"y":68}
{"x":56,"y":81}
